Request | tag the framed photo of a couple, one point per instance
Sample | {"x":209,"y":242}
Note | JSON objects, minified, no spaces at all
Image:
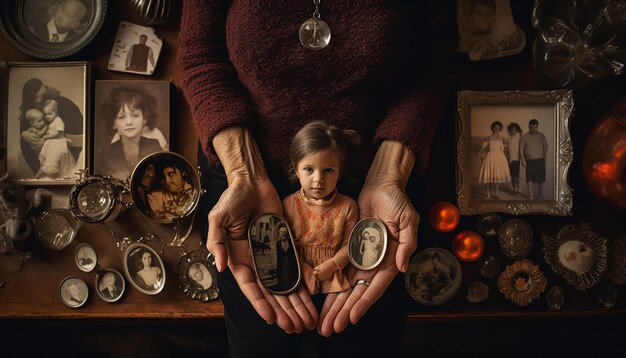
{"x":46,"y":128}
{"x":514,"y":151}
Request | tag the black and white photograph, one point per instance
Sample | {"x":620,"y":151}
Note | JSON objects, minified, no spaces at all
{"x":274,"y":255}
{"x":165,"y":187}
{"x":51,"y":29}
{"x":57,"y":20}
{"x":144,"y":268}
{"x":110,"y":285}
{"x":508,"y":151}
{"x":487,"y":29}
{"x":197,"y":275}
{"x":73,"y":292}
{"x":46,"y":128}
{"x":132,"y":121}
{"x":433,"y":277}
{"x":86,"y":257}
{"x":367,"y":244}
{"x":136,"y":49}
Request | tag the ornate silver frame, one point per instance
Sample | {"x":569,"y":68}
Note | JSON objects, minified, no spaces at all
{"x":537,"y":282}
{"x":187,"y":283}
{"x":585,"y":234}
{"x":563,"y":108}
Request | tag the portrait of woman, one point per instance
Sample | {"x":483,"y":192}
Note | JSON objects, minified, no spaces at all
{"x":129,"y":124}
{"x":200,"y":275}
{"x":73,"y":292}
{"x":144,"y":269}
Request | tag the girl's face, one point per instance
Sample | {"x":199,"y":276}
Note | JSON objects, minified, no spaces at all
{"x":146,"y":259}
{"x":513,"y":130}
{"x":496,"y":129}
{"x":318,"y":173}
{"x":129,"y":122}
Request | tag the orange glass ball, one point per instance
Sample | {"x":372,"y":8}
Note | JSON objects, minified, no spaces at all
{"x":444,"y":217}
{"x":468,"y":246}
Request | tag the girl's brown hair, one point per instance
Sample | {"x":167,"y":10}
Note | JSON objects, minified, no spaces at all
{"x":318,"y":136}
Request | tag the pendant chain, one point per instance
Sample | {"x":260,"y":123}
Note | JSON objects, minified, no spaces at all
{"x":316,"y":13}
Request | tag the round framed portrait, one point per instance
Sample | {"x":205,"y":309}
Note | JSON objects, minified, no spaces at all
{"x":73,"y":292}
{"x":522,"y":282}
{"x":96,"y":199}
{"x":164,"y":186}
{"x":197,"y":276}
{"x":51,"y":29}
{"x":578,"y":254}
{"x":110,"y":285}
{"x":367,"y":244}
{"x":85,"y":257}
{"x":433,"y":277}
{"x":144,"y":268}
{"x":274,"y":253}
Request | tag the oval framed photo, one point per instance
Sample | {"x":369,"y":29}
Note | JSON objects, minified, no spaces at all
{"x":274,"y":253}
{"x":85,"y":257}
{"x":144,"y":268}
{"x":73,"y":292}
{"x":110,"y":285}
{"x":367,"y":244}
{"x":197,"y":275}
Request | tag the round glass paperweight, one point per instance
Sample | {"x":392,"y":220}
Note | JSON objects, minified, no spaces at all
{"x":57,"y":228}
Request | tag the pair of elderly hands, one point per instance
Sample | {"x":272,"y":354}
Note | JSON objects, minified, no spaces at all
{"x":245,"y":198}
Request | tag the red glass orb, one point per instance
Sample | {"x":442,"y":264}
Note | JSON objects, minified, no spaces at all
{"x":444,"y":217}
{"x":468,"y":246}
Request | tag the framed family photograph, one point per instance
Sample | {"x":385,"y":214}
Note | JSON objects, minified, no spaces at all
{"x":46,"y":128}
{"x":51,"y":29}
{"x":129,"y":114}
{"x":514,"y":152}
{"x":110,"y":285}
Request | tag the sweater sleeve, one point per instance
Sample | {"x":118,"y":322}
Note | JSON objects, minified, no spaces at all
{"x":210,"y":83}
{"x":420,"y":98}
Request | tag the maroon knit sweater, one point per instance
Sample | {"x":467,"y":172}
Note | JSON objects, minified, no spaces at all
{"x":243,"y":65}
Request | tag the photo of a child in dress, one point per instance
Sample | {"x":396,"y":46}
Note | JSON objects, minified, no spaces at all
{"x":497,"y":164}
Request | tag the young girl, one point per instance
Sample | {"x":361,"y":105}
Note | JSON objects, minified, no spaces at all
{"x":321,"y":218}
{"x":495,"y":168}
{"x":515,"y":134}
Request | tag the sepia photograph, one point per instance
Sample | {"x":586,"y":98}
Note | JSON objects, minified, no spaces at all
{"x":144,"y":268}
{"x":165,"y":187}
{"x":367,"y":244}
{"x":273,"y":252}
{"x":513,"y":152}
{"x":197,"y":275}
{"x":487,"y":29}
{"x":433,"y":277}
{"x":73,"y":292}
{"x":86,"y":257}
{"x":51,"y":29}
{"x":136,"y":49}
{"x":132,"y":121}
{"x":110,"y":285}
{"x":47,"y":133}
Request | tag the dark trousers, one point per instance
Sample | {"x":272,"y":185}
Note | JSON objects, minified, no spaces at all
{"x":378,"y":333}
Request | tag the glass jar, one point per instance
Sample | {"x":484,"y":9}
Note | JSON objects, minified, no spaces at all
{"x":579,"y":41}
{"x":604,"y":158}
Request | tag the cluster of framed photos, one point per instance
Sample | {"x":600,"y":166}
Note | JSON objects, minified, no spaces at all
{"x":50,"y":137}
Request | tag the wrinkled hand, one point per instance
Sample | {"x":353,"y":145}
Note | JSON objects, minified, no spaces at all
{"x":227,"y":241}
{"x":388,"y":203}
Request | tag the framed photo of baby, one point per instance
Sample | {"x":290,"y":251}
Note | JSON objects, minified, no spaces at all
{"x":46,"y":132}
{"x":129,"y":115}
{"x":514,"y":151}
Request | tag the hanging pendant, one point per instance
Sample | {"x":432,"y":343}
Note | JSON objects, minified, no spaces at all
{"x":314,"y":32}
